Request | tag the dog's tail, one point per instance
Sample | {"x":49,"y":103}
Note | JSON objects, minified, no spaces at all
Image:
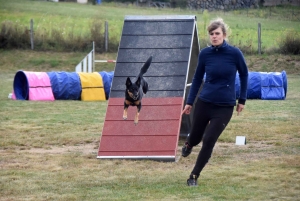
{"x":145,"y":67}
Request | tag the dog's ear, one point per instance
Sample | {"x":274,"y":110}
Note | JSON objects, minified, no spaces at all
{"x":128,"y":82}
{"x":138,"y":82}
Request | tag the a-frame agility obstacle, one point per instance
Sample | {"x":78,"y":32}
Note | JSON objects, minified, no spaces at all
{"x":172,"y":41}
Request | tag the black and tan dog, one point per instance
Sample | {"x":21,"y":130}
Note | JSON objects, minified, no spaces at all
{"x":134,"y":91}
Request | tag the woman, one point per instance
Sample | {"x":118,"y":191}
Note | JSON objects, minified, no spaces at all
{"x":214,"y":107}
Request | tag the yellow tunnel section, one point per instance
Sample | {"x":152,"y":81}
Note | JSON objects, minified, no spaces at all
{"x":92,"y":87}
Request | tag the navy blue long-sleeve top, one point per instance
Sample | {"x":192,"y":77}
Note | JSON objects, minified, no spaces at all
{"x":220,"y":65}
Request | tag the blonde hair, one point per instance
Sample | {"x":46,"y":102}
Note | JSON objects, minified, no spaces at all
{"x":219,"y":23}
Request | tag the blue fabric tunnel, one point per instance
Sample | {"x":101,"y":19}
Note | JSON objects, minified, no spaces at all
{"x":272,"y":86}
{"x":65,"y":86}
{"x":254,"y":86}
{"x":107,"y":78}
{"x":21,"y":86}
{"x":265,"y":86}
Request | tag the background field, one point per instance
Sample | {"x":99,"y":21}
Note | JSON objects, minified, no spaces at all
{"x":48,"y":149}
{"x":73,"y":19}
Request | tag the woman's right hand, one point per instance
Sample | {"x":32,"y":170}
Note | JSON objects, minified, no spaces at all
{"x":187,"y":109}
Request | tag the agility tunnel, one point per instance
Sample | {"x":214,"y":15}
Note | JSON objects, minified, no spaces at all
{"x":274,"y":86}
{"x":65,"y":86}
{"x":107,"y":78}
{"x":32,"y":86}
{"x":92,"y":87}
{"x":266,"y":85}
{"x":51,"y":86}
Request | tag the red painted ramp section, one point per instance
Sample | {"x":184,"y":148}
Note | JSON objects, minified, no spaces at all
{"x":155,"y":136}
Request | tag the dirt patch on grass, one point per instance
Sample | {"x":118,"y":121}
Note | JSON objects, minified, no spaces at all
{"x":85,"y":149}
{"x":274,"y":63}
{"x":251,"y":151}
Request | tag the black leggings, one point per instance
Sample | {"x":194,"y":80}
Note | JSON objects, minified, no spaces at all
{"x":209,"y":121}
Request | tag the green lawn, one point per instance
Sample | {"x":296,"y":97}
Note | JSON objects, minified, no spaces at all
{"x":77,"y":19}
{"x":48,"y":152}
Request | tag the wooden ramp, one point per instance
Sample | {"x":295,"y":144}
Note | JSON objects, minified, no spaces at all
{"x":172,"y":41}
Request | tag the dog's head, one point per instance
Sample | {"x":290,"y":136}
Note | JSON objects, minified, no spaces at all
{"x":133,"y":89}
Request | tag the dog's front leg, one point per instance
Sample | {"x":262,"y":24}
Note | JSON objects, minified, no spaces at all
{"x":136,"y":118}
{"x":125,"y":110}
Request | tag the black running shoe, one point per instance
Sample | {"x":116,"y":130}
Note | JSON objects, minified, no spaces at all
{"x":186,"y":150}
{"x":192,"y":181}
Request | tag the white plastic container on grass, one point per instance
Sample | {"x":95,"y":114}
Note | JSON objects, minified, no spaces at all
{"x":82,"y":1}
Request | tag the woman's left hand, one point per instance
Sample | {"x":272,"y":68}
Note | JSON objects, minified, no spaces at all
{"x":239,"y":108}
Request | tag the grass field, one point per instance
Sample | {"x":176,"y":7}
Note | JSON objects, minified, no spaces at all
{"x":77,"y":19}
{"x":48,"y":149}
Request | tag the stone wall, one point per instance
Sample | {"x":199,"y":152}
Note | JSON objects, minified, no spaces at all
{"x":281,"y":2}
{"x":222,"y":4}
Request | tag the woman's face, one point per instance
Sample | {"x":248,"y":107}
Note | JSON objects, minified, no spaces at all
{"x":217,"y":36}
